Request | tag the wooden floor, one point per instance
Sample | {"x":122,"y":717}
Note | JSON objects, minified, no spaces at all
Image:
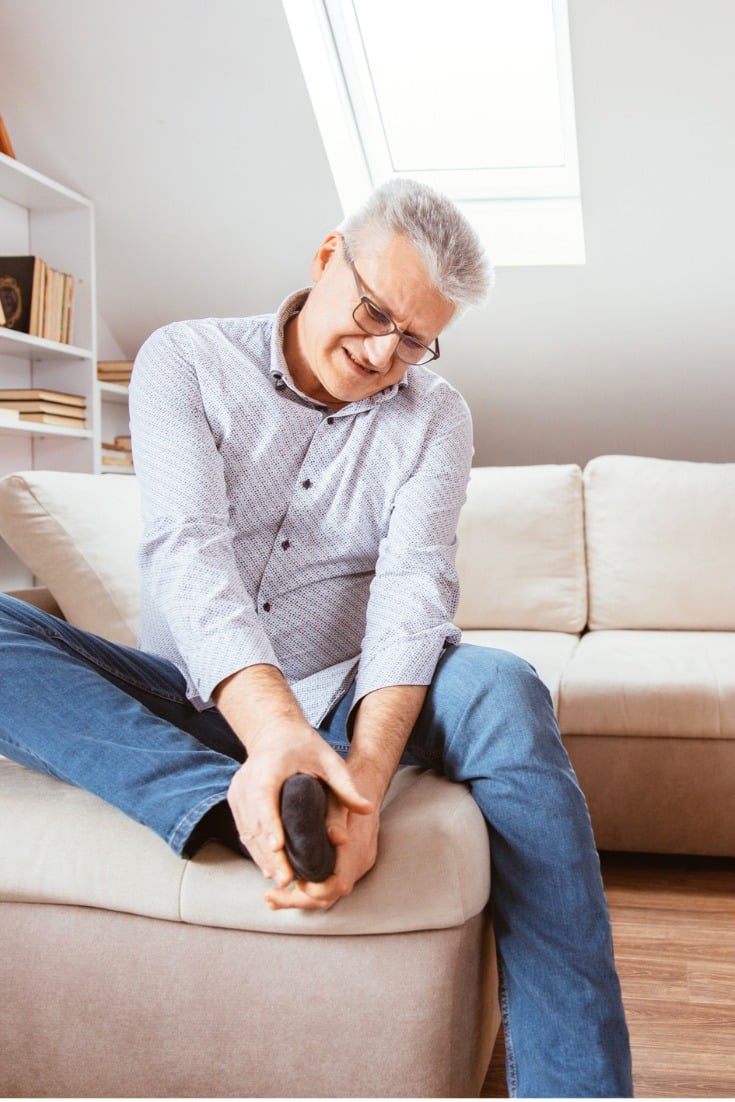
{"x":674,"y":931}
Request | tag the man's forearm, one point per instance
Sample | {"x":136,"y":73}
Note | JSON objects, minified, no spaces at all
{"x":383,"y":724}
{"x":255,"y":700}
{"x":261,"y":709}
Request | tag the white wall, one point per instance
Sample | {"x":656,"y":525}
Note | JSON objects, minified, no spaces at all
{"x":188,"y":123}
{"x":635,"y":351}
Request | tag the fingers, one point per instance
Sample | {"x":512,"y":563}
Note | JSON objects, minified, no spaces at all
{"x":308,"y":897}
{"x":356,"y":840}
{"x":259,"y":826}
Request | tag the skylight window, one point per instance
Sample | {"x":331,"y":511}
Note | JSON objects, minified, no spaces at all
{"x":472,"y":96}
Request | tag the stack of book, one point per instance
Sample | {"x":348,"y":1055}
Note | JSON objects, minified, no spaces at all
{"x":50,"y":407}
{"x":117,"y":457}
{"x":115,"y":371}
{"x":36,"y":299}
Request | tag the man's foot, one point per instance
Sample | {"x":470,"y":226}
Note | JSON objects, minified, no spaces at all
{"x":303,"y":814}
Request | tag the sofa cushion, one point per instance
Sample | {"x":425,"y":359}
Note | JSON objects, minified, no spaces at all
{"x":79,"y":534}
{"x":64,"y":845}
{"x":547,"y":651}
{"x":660,"y":543}
{"x":521,"y":558}
{"x":651,"y":683}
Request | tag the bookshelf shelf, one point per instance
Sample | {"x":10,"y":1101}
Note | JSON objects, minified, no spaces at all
{"x":23,"y":347}
{"x":27,"y":188}
{"x":40,"y":217}
{"x":36,"y":429}
{"x":113,"y":392}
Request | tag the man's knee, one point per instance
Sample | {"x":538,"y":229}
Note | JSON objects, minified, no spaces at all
{"x":19,"y":619}
{"x":10,"y":608}
{"x":491,"y":670}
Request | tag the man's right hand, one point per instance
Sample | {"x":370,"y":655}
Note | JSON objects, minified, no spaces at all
{"x":254,"y":794}
{"x":264,"y":714}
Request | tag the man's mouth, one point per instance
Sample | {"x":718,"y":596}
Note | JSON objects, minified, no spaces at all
{"x":360,"y":366}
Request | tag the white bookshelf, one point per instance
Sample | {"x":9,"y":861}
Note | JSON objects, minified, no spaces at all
{"x":39,"y":217}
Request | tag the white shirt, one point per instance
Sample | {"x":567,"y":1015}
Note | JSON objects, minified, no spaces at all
{"x":276,"y":531}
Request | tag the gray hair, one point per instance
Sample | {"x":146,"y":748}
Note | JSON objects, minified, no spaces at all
{"x":444,"y":239}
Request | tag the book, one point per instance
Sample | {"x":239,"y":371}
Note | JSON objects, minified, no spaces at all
{"x":37,"y":299}
{"x":42,"y":395}
{"x":17,"y":278}
{"x":67,"y":330}
{"x":115,"y":371}
{"x":43,"y":407}
{"x":8,"y":414}
{"x":115,"y":365}
{"x":54,"y":419}
{"x":122,"y":461}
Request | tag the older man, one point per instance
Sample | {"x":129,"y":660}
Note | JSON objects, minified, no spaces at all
{"x":302,"y":475}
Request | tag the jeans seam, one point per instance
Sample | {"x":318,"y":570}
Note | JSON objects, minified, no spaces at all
{"x":118,"y":674}
{"x":511,"y":1072}
{"x":191,"y":819}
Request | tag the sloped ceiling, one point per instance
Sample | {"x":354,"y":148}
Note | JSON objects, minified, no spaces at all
{"x":189,"y":125}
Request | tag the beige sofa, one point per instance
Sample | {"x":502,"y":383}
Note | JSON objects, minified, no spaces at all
{"x":129,"y":972}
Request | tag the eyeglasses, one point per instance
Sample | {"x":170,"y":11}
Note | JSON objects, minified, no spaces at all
{"x":378,"y":323}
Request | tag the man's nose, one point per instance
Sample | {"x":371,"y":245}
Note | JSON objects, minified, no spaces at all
{"x":380,"y":350}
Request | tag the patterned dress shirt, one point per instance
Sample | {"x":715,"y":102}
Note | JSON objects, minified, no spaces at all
{"x":276,"y":531}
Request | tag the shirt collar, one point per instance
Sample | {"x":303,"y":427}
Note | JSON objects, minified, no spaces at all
{"x":282,"y":376}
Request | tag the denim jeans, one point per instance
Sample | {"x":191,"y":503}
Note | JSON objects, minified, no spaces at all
{"x":116,"y":721}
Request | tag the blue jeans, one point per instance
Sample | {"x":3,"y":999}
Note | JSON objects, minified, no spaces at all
{"x":116,"y":721}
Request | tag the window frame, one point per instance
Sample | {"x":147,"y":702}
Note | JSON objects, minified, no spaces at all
{"x":499,"y":201}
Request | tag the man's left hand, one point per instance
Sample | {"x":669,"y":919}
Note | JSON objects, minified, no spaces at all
{"x":355,"y":838}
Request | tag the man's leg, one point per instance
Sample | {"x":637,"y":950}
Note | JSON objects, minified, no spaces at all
{"x":113,"y":720}
{"x":488,"y":721}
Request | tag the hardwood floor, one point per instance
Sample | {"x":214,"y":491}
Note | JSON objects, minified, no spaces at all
{"x":674,"y":931}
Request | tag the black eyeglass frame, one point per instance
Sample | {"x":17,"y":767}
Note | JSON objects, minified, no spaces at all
{"x":365,"y":300}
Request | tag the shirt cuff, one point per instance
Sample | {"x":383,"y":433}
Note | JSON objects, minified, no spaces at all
{"x":410,"y":661}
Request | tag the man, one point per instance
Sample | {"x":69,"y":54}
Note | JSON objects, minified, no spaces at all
{"x":302,"y":475}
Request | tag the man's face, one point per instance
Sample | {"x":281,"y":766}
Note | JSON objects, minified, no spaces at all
{"x":330,"y":358}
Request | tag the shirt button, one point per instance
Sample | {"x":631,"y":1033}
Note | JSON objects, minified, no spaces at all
{"x":267,"y":606}
{"x":286,"y":544}
{"x":306,"y":483}
{"x":330,"y":420}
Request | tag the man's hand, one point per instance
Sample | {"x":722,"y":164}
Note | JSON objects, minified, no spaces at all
{"x":255,"y":790}
{"x":355,"y":837}
{"x":264,"y":714}
{"x":261,"y":709}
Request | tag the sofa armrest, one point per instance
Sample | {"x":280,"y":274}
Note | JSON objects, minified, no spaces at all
{"x":38,"y":596}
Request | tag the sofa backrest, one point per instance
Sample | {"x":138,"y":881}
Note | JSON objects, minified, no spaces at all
{"x":660,"y":538}
{"x":660,"y":544}
{"x":521,"y":555}
{"x":78,"y":533}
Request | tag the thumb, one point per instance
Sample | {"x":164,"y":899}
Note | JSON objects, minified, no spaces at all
{"x":339,"y":780}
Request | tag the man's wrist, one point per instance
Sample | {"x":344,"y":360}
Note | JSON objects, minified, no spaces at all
{"x":256,"y":701}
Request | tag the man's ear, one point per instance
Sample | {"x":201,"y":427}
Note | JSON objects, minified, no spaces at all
{"x":324,"y":255}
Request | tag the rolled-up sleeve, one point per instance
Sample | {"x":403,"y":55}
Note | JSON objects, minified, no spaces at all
{"x":191,"y":584}
{"x":414,"y":593}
